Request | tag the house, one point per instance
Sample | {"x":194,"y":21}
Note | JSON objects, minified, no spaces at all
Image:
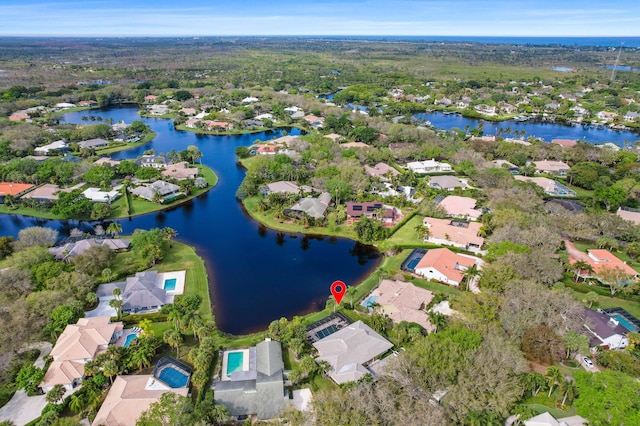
{"x":546,"y":419}
{"x":507,"y":165}
{"x":460,"y":207}
{"x":388,"y":215}
{"x":106,"y":160}
{"x":152,"y":160}
{"x":565,"y":142}
{"x":129,"y":397}
{"x":630,"y":215}
{"x":96,"y":195}
{"x":445,"y":266}
{"x":147,"y":291}
{"x":557,"y":168}
{"x":88,"y":103}
{"x":257,"y":386}
{"x":70,"y":250}
{"x":158,"y":109}
{"x":218,"y":125}
{"x":312,"y":206}
{"x":313,"y":120}
{"x":447,"y":182}
{"x":120,"y":126}
{"x":552,"y":105}
{"x":150,"y":98}
{"x":550,"y":186}
{"x":632,"y":116}
{"x":349,"y":349}
{"x":606,"y":116}
{"x":605,"y":331}
{"x":266,"y":116}
{"x":292,"y":110}
{"x":402,"y":301}
{"x":58,"y":146}
{"x":188,"y":111}
{"x":93,"y":143}
{"x":180,"y":171}
{"x":601,"y":260}
{"x":452,"y":232}
{"x":78,"y":344}
{"x":165,"y":191}
{"x":484,"y":109}
{"x":249,"y":99}
{"x":354,"y":145}
{"x":47,"y":192}
{"x":13,"y":189}
{"x":428,"y":166}
{"x":443,"y":102}
{"x":381,"y":170}
{"x":64,"y":105}
{"x":284,"y":187}
{"x":264,"y":149}
{"x":19,"y":116}
{"x":483,"y":138}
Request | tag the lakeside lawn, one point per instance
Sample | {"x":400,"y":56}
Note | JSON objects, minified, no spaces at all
{"x":122,"y":146}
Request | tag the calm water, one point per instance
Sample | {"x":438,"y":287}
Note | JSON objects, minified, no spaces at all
{"x":545,"y":131}
{"x":256,"y":275}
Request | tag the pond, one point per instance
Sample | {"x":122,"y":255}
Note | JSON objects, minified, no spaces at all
{"x":256,"y":275}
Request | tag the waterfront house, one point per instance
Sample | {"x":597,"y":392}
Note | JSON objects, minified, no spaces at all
{"x":180,"y":171}
{"x":445,"y":266}
{"x":70,"y":250}
{"x":632,"y":116}
{"x":349,"y":349}
{"x":48,"y":192}
{"x":564,"y":142}
{"x":315,"y":207}
{"x":284,"y":187}
{"x":13,"y":189}
{"x":388,"y":215}
{"x":453,"y":232}
{"x":256,"y":387}
{"x":150,"y":98}
{"x":152,"y":160}
{"x":78,"y":344}
{"x":93,"y":143}
{"x":606,"y":116}
{"x":164,"y":190}
{"x":57,"y":146}
{"x":402,"y":301}
{"x":19,"y":116}
{"x":88,"y":103}
{"x":96,"y":195}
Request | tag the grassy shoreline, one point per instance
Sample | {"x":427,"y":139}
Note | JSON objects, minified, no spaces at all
{"x":119,"y":211}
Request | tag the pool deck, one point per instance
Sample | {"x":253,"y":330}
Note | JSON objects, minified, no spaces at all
{"x":243,"y":374}
{"x":179,"y":276}
{"x":125,"y":333}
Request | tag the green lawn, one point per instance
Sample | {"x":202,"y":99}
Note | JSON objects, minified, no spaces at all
{"x":122,"y":146}
{"x":182,"y":256}
{"x":610,"y":302}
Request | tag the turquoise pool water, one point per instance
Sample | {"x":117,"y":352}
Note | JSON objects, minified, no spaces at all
{"x":234,"y":362}
{"x":370,"y":301}
{"x":173,"y":378}
{"x":129,"y":339}
{"x":170,"y":284}
{"x":625,"y":323}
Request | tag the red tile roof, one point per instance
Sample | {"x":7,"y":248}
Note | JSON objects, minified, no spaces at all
{"x":12,"y":188}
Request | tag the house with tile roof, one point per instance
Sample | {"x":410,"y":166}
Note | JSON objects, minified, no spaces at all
{"x":129,"y":397}
{"x":14,"y":189}
{"x":445,"y":266}
{"x":349,"y":349}
{"x":630,"y":215}
{"x":284,"y":187}
{"x":550,"y":186}
{"x":565,"y":142}
{"x":460,"y":207}
{"x":453,"y":232}
{"x":78,"y":344}
{"x":403,"y":301}
{"x":180,"y":171}
{"x":557,"y":168}
{"x":381,"y":170}
{"x":257,"y":389}
{"x":600,"y":260}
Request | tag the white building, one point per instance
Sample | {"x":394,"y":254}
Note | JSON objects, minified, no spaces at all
{"x":429,"y":166}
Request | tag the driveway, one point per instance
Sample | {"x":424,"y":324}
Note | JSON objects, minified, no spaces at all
{"x":22,"y":409}
{"x":593,"y":369}
{"x":103,"y":308}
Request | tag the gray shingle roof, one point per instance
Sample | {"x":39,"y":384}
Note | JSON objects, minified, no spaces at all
{"x":314,"y":207}
{"x":269,"y":357}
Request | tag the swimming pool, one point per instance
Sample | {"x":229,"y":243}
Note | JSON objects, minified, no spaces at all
{"x":129,"y":339}
{"x":234,"y":362}
{"x":625,"y":323}
{"x":370,"y":301}
{"x":413,"y":262}
{"x":173,"y":378}
{"x":170,"y":284}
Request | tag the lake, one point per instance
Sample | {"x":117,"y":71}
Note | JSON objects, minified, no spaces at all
{"x":256,"y":275}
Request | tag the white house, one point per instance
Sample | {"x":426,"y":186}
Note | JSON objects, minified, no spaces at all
{"x":605,"y":331}
{"x":53,"y":146}
{"x":428,"y":166}
{"x":445,"y":266}
{"x":98,"y":196}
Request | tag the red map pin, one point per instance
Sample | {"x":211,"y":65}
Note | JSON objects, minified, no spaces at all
{"x":338,"y":289}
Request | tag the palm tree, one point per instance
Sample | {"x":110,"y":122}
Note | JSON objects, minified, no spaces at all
{"x":174,"y":339}
{"x":76,"y":403}
{"x":117,"y":305}
{"x":114,"y":229}
{"x":570,"y":391}
{"x":174,"y":315}
{"x":56,"y":394}
{"x":110,"y":369}
{"x":579,"y":267}
{"x":554,"y":376}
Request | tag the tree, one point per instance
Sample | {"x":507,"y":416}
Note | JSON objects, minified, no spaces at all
{"x":29,"y":377}
{"x":6,"y":246}
{"x":62,"y":316}
{"x":72,"y":205}
{"x":554,"y":377}
{"x":580,"y":268}
{"x":56,"y":394}
{"x":608,"y":398}
{"x":194,"y":153}
{"x":174,"y":339}
{"x":110,"y":369}
{"x":117,"y":305}
{"x":542,"y":344}
{"x":35,"y":236}
{"x":615,"y":278}
{"x":94,"y":260}
{"x":574,"y":341}
{"x":611,"y":196}
{"x":114,"y":229}
{"x":569,"y":391}
{"x":98,"y":175}
{"x":100,"y":211}
{"x":591,"y":297}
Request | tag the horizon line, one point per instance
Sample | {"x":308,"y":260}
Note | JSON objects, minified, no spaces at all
{"x":307,"y":35}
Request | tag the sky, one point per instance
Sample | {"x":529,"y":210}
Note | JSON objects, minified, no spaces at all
{"x":544,"y":18}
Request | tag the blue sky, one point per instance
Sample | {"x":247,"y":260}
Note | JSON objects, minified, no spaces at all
{"x":322,"y":17}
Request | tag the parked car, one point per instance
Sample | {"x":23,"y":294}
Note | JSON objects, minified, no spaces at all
{"x":587,"y":362}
